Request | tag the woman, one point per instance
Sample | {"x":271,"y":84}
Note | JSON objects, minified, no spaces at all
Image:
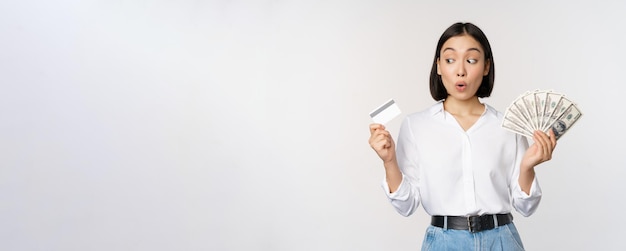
{"x":455,"y":158}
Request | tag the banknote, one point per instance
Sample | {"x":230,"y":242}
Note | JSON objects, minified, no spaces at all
{"x":560,"y":108}
{"x":515,"y":114}
{"x":541,"y":110}
{"x":540,"y":102}
{"x":529,"y":103}
{"x":512,"y":124}
{"x":562,"y":124}
{"x":518,"y":108}
{"x":552,"y":99}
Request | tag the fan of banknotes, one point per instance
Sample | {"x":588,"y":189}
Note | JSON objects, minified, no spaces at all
{"x":541,"y":110}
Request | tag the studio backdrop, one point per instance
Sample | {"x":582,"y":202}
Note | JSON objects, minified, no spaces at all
{"x":243,"y":125}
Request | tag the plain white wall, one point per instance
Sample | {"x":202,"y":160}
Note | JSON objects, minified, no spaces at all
{"x":242,"y":125}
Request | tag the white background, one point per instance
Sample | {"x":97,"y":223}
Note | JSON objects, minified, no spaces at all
{"x":242,"y":125}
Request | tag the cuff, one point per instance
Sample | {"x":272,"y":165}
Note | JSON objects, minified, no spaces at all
{"x":402,"y":193}
{"x":535,"y":191}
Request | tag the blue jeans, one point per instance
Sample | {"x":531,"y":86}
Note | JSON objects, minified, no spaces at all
{"x":503,"y":238}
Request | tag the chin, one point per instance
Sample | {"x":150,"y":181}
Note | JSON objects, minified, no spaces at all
{"x":462,"y":96}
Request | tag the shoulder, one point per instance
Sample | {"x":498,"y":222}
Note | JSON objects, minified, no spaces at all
{"x":424,"y":121}
{"x":491,"y":111}
{"x":426,"y":114}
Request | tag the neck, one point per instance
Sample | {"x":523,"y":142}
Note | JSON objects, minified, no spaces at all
{"x":463,"y":107}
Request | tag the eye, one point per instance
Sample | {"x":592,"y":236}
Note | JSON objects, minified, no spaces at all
{"x":472,"y":61}
{"x":449,"y":60}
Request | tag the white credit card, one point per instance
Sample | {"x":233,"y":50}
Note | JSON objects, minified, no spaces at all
{"x":386,"y":112}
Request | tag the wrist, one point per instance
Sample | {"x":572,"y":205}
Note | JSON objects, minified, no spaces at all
{"x":527,"y":169}
{"x":390,"y":161}
{"x":391,"y":166}
{"x":524,"y":166}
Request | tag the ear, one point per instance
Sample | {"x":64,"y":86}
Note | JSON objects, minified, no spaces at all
{"x":487,"y":67}
{"x":438,"y":70}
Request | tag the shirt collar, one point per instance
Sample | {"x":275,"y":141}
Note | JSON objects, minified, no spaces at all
{"x":437,"y":109}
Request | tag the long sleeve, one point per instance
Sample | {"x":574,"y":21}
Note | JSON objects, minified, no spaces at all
{"x":406,"y":198}
{"x":525,"y":204}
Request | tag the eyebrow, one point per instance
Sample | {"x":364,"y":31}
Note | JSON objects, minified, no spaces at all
{"x":452,"y":49}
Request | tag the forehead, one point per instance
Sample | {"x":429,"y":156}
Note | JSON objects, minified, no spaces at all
{"x":462,"y":43}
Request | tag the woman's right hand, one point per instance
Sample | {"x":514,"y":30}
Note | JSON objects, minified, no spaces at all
{"x":382,"y":142}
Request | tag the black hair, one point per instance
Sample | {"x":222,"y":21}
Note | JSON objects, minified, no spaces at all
{"x":437,"y":90}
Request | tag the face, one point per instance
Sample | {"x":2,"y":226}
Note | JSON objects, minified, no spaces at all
{"x":462,"y":65}
{"x":559,"y":126}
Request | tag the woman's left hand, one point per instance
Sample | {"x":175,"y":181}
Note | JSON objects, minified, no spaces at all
{"x":541,"y":150}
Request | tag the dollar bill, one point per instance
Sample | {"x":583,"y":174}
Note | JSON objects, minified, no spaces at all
{"x":522,"y":110}
{"x":516,"y":114}
{"x":512,"y":124}
{"x":562,"y":124}
{"x":529,"y":102}
{"x":552,"y":99}
{"x":560,"y":108}
{"x":543,"y":110}
{"x":540,"y":101}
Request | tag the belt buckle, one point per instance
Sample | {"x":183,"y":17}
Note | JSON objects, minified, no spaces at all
{"x":471,"y":220}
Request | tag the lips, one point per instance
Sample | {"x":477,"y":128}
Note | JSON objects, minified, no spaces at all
{"x":460,"y":86}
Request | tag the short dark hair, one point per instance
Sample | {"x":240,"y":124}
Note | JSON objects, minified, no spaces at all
{"x":437,"y":90}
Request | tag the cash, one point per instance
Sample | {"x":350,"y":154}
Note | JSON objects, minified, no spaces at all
{"x":541,"y":110}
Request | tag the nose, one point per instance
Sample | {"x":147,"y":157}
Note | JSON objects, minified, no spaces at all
{"x":461,"y":71}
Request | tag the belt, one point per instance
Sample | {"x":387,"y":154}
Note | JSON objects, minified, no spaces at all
{"x":472,"y":223}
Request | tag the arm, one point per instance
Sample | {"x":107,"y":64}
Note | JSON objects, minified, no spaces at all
{"x":393,"y":176}
{"x":526,"y":191}
{"x":382,"y":142}
{"x":401,"y":178}
{"x":538,"y":153}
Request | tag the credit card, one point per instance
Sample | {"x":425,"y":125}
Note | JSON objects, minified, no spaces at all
{"x":386,"y":112}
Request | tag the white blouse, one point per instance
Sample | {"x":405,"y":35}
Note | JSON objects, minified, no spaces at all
{"x":455,"y":172}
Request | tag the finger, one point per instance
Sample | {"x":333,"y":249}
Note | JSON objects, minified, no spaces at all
{"x":537,"y":138}
{"x":378,"y":146}
{"x":374,"y":132}
{"x":552,"y":138}
{"x":380,"y":134}
{"x":380,"y":137}
{"x":387,"y":139}
{"x":540,"y":141}
{"x":381,"y":144}
{"x":376,"y":126}
{"x":550,"y":142}
{"x":542,"y":134}
{"x":375,"y":138}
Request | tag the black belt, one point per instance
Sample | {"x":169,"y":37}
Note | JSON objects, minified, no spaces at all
{"x":472,"y":223}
